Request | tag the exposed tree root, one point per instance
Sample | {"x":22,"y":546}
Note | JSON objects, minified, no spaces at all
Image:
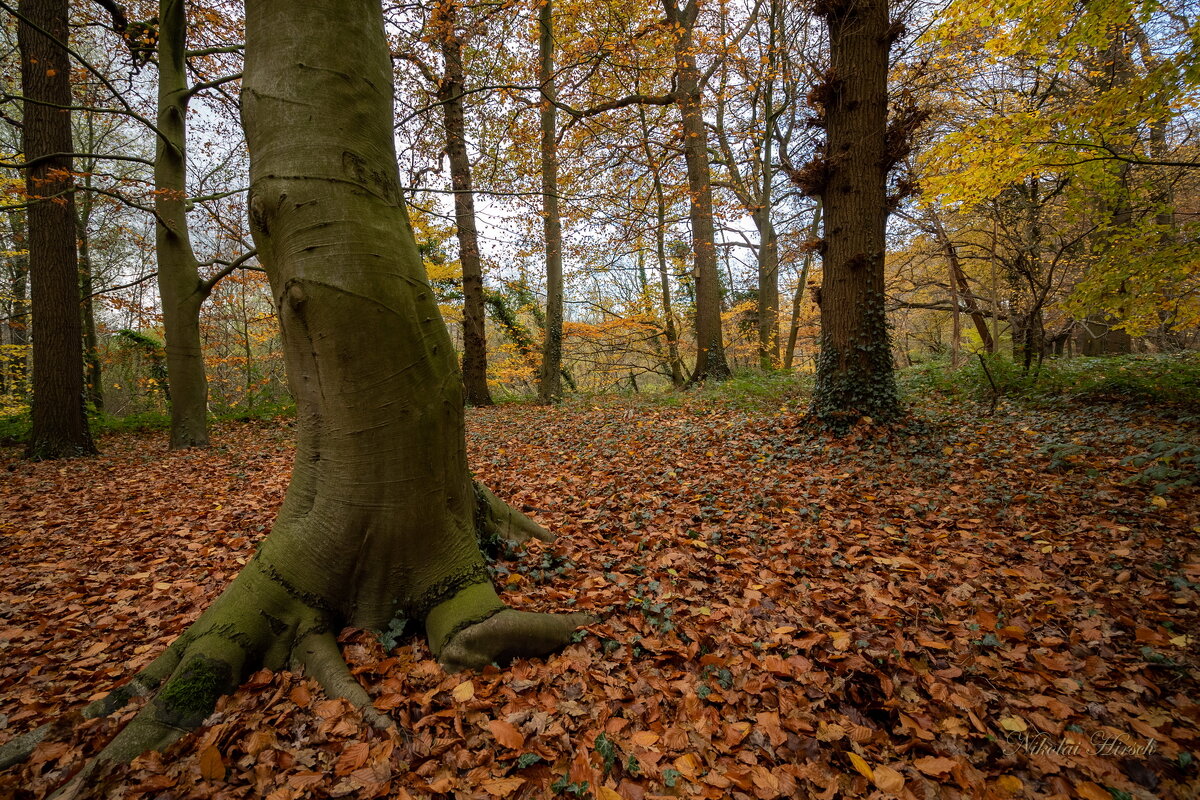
{"x":261,"y":621}
{"x":498,"y":518}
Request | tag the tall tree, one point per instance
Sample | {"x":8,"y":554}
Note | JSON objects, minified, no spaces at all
{"x":60,"y":427}
{"x":450,"y":93}
{"x":854,"y":370}
{"x":550,"y":378}
{"x":379,"y":524}
{"x":180,"y":286}
{"x":688,"y":95}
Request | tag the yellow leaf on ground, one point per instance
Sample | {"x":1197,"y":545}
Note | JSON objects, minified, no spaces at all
{"x":212,"y":766}
{"x":1159,"y":501}
{"x":862,"y":766}
{"x":1009,"y":784}
{"x":1015,"y":724}
{"x":464,"y":691}
{"x":841,"y":640}
{"x":605,"y":793}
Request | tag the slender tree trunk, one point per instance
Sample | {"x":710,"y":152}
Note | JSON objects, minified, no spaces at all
{"x":60,"y":427}
{"x":379,"y":523}
{"x":550,"y":379}
{"x":710,"y":350}
{"x":854,"y":371}
{"x":768,"y":253}
{"x":670,"y":332}
{"x":794,"y":331}
{"x":961,"y":288}
{"x":18,"y":323}
{"x":179,"y":284}
{"x":91,"y":345}
{"x":474,"y":361}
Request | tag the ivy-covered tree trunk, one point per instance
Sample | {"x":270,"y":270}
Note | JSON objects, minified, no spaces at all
{"x":450,"y":93}
{"x":854,"y":370}
{"x":59,"y":422}
{"x":379,"y":522}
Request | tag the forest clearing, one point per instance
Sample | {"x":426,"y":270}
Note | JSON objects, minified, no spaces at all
{"x":969,"y":606}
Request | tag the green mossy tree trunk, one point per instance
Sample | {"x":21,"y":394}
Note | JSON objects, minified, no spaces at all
{"x":59,"y":422}
{"x":854,"y":370}
{"x":379,"y":522}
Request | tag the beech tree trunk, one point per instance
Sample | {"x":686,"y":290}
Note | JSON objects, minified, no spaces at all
{"x":550,"y":378}
{"x":450,"y":93}
{"x":179,"y":284}
{"x":854,"y":370}
{"x":379,"y":522}
{"x":710,"y":350}
{"x":60,"y":427}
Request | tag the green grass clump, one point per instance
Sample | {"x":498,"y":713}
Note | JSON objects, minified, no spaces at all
{"x":1157,"y":380}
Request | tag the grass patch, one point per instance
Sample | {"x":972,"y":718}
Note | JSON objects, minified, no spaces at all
{"x":1150,"y":380}
{"x":14,"y":428}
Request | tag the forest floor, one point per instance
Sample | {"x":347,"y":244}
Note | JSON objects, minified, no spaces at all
{"x":971,"y":606}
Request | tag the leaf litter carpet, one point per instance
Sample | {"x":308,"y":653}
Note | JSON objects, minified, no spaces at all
{"x":969,"y":607}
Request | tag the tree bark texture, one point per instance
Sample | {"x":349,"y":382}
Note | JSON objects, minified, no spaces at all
{"x":179,"y":284}
{"x":854,"y":369}
{"x":710,"y":349}
{"x":768,"y":244}
{"x":450,"y":94}
{"x":550,"y":377}
{"x":380,"y":520}
{"x":59,"y":422}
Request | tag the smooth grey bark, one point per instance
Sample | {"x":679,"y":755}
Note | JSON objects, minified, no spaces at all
{"x":379,"y":521}
{"x":550,"y":376}
{"x":59,"y":422}
{"x":450,"y":94}
{"x":179,"y":283}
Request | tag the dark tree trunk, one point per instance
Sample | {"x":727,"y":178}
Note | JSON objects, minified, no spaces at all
{"x":710,"y":350}
{"x":854,"y":370}
{"x":550,"y":378}
{"x":450,"y":93}
{"x":60,"y":427}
